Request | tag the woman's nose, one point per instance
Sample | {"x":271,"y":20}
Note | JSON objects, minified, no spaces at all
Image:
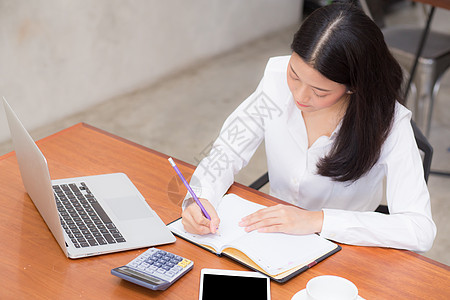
{"x":302,"y":93}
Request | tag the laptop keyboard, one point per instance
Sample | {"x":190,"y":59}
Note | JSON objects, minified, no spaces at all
{"x":82,"y":217}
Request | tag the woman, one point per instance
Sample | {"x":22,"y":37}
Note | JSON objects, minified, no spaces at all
{"x":337,"y":139}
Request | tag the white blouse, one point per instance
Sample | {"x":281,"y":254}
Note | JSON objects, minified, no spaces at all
{"x":270,"y":114}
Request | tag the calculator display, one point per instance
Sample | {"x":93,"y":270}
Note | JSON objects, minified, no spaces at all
{"x":141,"y":276}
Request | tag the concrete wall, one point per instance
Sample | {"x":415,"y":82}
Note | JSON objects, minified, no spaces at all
{"x":58,"y":57}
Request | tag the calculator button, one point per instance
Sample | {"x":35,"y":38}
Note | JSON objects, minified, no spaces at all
{"x":177,"y":268}
{"x":161,"y":271}
{"x":184,"y":262}
{"x":141,"y":267}
{"x":170,"y":273}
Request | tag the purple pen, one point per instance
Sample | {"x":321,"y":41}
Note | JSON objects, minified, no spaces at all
{"x":189,"y":188}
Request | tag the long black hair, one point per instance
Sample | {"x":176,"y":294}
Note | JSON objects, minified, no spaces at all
{"x":346,"y":46}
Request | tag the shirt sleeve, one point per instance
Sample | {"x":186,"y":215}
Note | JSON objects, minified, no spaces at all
{"x":409,"y":225}
{"x":240,"y":136}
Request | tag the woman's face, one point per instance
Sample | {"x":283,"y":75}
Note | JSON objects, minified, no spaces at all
{"x":311,"y":90}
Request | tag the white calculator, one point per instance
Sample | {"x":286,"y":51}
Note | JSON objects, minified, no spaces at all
{"x":154,"y":269}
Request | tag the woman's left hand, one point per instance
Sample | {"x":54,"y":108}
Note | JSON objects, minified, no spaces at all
{"x":284,"y":218}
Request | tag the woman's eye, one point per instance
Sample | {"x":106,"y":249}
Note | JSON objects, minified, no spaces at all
{"x":318,"y":95}
{"x":295,"y":77}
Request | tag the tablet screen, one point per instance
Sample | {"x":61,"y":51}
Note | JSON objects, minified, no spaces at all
{"x":217,"y":284}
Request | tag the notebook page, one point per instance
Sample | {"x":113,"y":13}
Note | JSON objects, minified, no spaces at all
{"x":231,"y":210}
{"x":209,"y":239}
{"x":279,"y":252}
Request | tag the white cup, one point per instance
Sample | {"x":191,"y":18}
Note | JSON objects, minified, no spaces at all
{"x":328,"y":287}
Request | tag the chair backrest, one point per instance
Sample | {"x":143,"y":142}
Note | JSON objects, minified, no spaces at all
{"x":425,"y":147}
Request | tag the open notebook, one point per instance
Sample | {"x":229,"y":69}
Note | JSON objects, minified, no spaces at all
{"x":279,"y":256}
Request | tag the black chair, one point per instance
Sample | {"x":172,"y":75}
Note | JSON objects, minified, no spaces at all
{"x":432,"y":64}
{"x":422,"y":144}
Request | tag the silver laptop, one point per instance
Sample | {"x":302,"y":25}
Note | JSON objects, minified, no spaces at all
{"x":89,"y":215}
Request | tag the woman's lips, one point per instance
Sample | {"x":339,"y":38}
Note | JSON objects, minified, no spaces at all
{"x":301,"y":105}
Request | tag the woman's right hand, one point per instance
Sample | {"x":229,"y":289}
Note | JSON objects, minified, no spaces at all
{"x":195,"y":222}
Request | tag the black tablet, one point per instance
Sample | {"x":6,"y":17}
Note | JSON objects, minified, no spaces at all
{"x":229,"y":284}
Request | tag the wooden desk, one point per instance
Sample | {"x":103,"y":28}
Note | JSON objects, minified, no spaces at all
{"x":437,"y":3}
{"x":33,"y":266}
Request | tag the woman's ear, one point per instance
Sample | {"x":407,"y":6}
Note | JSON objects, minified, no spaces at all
{"x":349,"y":90}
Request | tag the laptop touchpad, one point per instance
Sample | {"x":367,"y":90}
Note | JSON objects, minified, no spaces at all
{"x":128,"y":208}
